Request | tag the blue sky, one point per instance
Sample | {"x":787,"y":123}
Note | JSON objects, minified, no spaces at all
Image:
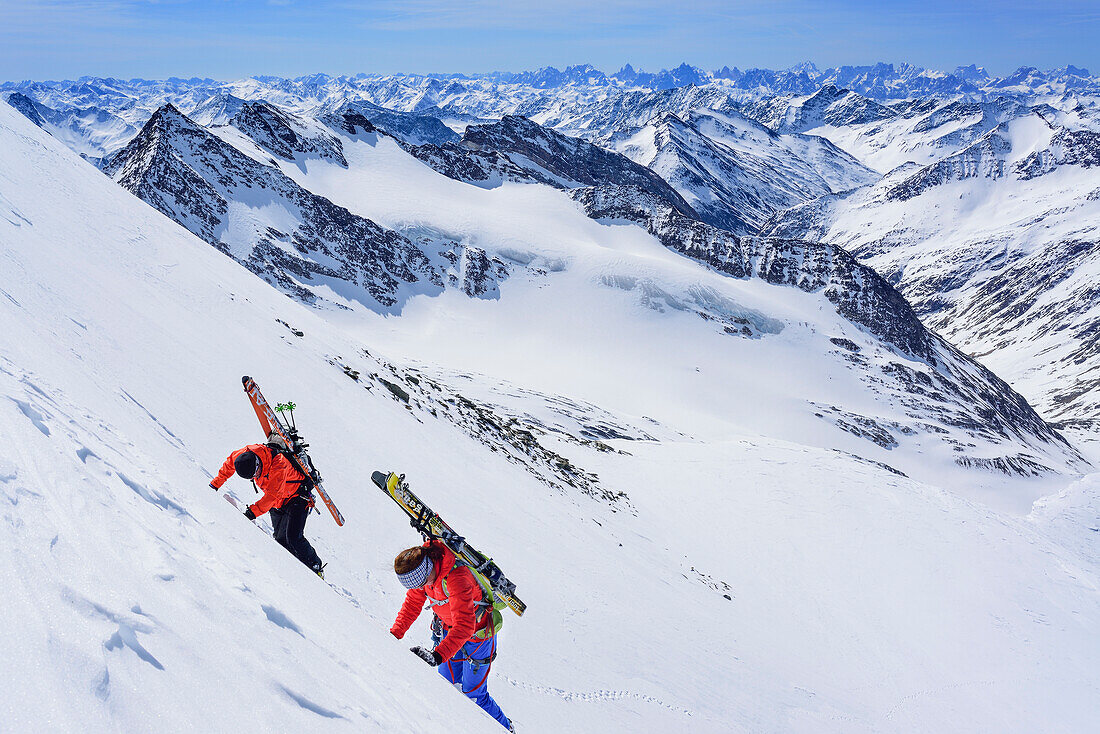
{"x":228,"y":39}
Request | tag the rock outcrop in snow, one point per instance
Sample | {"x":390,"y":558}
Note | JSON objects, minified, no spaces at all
{"x":953,"y":388}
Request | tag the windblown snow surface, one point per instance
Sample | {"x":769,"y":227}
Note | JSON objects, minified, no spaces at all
{"x":748,"y":581}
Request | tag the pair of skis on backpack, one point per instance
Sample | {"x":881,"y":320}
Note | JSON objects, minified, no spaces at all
{"x":283,"y":434}
{"x":431,"y":525}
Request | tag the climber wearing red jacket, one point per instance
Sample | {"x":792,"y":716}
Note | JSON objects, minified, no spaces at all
{"x":288,"y":496}
{"x":465,"y":624}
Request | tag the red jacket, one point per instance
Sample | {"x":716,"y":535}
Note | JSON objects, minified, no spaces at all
{"x":454,"y":594}
{"x":277,"y":477}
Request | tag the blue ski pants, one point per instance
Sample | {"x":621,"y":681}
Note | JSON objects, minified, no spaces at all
{"x":470,"y":669}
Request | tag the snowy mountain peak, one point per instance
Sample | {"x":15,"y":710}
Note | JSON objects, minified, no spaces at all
{"x":217,"y":110}
{"x":285,"y":135}
{"x":410,"y":127}
{"x":568,"y":161}
{"x":805,"y":67}
{"x":971,"y":73}
{"x":298,"y":241}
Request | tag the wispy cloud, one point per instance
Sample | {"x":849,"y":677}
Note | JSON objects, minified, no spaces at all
{"x":577,"y":15}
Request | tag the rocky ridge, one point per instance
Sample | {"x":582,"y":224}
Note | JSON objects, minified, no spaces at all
{"x":286,"y":235}
{"x":997,"y":247}
{"x":948,"y":385}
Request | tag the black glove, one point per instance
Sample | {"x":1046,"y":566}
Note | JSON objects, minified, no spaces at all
{"x":431,"y":657}
{"x":250,"y":514}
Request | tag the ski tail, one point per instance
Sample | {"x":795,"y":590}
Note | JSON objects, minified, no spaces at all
{"x":258,"y":404}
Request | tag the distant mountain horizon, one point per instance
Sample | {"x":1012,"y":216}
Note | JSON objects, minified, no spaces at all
{"x":627,"y":72}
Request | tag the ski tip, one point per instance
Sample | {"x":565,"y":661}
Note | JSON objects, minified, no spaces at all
{"x":379,"y":478}
{"x":245,"y":380}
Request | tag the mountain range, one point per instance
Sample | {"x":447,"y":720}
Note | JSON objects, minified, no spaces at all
{"x":740,"y":151}
{"x":799,"y":360}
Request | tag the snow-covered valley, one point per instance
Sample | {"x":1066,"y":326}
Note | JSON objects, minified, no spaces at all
{"x":739,"y":485}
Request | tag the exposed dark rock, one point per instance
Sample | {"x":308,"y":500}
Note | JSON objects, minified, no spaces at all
{"x":409,"y":128}
{"x":957,"y":390}
{"x":1067,"y":147}
{"x":28,"y":107}
{"x":571,"y":161}
{"x":858,"y":292}
{"x":488,"y":168}
{"x":274,"y":130}
{"x":193,"y":177}
{"x":985,"y":158}
{"x":848,"y":344}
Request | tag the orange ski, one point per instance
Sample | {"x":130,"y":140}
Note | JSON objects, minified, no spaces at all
{"x":285,"y":435}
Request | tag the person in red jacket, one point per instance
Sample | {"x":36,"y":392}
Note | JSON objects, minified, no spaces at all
{"x":287,"y":495}
{"x":464,"y":626}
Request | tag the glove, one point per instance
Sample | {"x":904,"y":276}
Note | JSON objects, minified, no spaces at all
{"x":431,"y":657}
{"x":213,"y":487}
{"x":250,"y":514}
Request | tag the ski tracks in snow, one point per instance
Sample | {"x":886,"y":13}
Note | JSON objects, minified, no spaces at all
{"x":67,"y":424}
{"x":597,"y":696}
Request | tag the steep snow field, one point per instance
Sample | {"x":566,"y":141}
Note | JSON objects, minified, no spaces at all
{"x":603,"y":312}
{"x":1001,"y":263}
{"x":137,"y":600}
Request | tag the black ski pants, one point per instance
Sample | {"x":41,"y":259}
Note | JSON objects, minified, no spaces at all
{"x":289,"y":522}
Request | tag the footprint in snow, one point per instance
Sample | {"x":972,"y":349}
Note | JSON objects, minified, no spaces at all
{"x":281,"y":620}
{"x":126,"y":636}
{"x":153,"y":497}
{"x":36,"y":418}
{"x":309,"y":705}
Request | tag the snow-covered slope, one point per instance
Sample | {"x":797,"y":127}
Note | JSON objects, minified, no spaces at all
{"x":409,"y":127}
{"x":741,"y":583}
{"x":736,"y":173}
{"x":921,"y":406}
{"x":998,"y":248}
{"x":217,"y":110}
{"x":922,"y":131}
{"x":283,"y":134}
{"x":92,"y":132}
{"x":827,"y":106}
{"x":259,"y":216}
{"x":548,"y":243}
{"x":136,"y":599}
